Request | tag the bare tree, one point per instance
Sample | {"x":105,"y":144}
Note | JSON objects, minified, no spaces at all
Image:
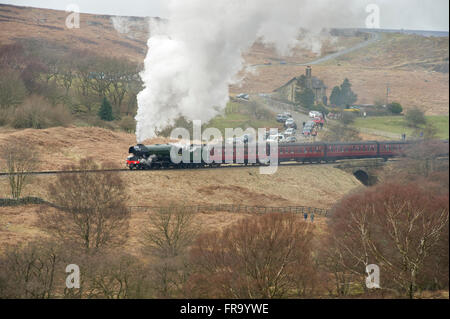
{"x":424,"y":158}
{"x":91,"y":210}
{"x":339,"y":132}
{"x":171,"y":231}
{"x":396,"y":226}
{"x":34,"y":271}
{"x":114,"y":275}
{"x":264,"y":257}
{"x":18,"y":158}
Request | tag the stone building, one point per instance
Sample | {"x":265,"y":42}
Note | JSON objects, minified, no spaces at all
{"x":296,"y":85}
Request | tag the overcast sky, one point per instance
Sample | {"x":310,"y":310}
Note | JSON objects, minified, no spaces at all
{"x":395,"y":14}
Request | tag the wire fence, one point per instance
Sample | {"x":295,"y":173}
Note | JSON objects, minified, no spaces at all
{"x":230,"y":208}
{"x":243,"y":209}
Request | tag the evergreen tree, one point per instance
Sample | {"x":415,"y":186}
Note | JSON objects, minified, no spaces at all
{"x":105,"y":112}
{"x":335,"y":98}
{"x":306,"y":98}
{"x":302,"y":82}
{"x":348,"y":97}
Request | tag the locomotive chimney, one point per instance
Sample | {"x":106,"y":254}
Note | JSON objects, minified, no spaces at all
{"x":308,"y":72}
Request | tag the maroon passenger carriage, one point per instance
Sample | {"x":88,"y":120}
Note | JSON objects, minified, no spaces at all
{"x":316,"y":152}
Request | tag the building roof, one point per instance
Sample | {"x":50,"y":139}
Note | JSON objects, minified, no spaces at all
{"x":317,"y":83}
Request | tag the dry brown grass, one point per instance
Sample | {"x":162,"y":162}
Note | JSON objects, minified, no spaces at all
{"x":420,"y":88}
{"x":20,"y":225}
{"x":96,"y":32}
{"x":60,"y":146}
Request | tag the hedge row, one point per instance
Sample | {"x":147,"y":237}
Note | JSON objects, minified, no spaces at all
{"x":7,"y":202}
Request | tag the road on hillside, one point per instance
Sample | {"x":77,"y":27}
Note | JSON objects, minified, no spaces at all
{"x":280,"y":107}
{"x":374,"y":37}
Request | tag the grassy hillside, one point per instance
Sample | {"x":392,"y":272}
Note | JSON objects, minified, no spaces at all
{"x":96,"y":33}
{"x":393,"y":51}
{"x":240,"y":114}
{"x":397,"y":125}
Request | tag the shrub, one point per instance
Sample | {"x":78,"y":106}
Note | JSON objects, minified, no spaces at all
{"x":5,"y":116}
{"x":12,"y":89}
{"x":128,"y":124}
{"x":37,"y":113}
{"x":348,"y":117}
{"x":415,"y":118}
{"x":395,"y":108}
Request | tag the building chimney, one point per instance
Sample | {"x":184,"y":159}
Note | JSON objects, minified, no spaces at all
{"x":308,"y":72}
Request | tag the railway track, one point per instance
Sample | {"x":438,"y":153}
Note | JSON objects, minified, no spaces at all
{"x":126,"y":170}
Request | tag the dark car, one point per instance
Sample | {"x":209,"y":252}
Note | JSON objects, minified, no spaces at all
{"x":282,"y":118}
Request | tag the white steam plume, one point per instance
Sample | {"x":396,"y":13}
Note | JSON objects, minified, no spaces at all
{"x":197,"y":54}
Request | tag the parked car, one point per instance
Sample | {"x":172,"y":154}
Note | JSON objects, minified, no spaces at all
{"x":283,"y":62}
{"x":290,"y":132}
{"x":291,"y":139}
{"x":314,"y":114}
{"x":243,"y":96}
{"x":290,"y":123}
{"x":309,"y":128}
{"x":282,"y":118}
{"x":277,"y":138}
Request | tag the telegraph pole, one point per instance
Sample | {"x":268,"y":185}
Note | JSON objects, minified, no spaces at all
{"x":388,"y":90}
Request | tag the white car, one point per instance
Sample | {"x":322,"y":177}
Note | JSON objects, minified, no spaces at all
{"x":290,"y":132}
{"x":289,"y":122}
{"x":276,"y":138}
{"x":314,"y":114}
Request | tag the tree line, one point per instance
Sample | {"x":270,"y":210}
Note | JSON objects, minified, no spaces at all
{"x":75,"y":82}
